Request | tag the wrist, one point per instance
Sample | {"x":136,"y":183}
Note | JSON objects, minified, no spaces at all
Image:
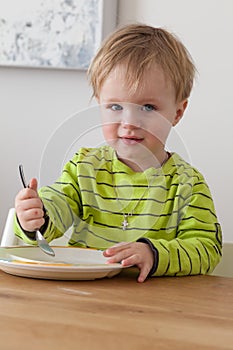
{"x":30,"y":234}
{"x":46,"y":219}
{"x":155,"y":255}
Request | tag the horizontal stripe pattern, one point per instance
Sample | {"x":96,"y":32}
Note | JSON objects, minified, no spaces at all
{"x":171,"y":206}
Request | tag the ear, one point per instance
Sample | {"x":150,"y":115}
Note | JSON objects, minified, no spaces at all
{"x":181,"y":107}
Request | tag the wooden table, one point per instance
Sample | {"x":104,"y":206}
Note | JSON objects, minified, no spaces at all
{"x":119,"y":313}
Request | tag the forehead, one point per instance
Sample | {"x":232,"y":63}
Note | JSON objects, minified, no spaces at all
{"x":122,"y":84}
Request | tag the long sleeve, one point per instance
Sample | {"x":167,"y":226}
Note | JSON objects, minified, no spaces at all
{"x":197,"y":247}
{"x":61,"y":201}
{"x":171,"y":207}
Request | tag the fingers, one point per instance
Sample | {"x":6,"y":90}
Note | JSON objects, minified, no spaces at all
{"x":130,"y":254}
{"x":27,"y":199}
{"x":30,"y":214}
{"x":143,"y":273}
{"x":31,"y":220}
{"x":33,"y":184}
{"x":117,"y":248}
{"x":26,"y":193}
{"x":29,"y":207}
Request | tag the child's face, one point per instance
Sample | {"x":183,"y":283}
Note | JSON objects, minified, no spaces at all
{"x":137,"y":124}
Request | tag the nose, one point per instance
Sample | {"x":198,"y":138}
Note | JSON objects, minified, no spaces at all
{"x":130,"y":120}
{"x":129,"y":126}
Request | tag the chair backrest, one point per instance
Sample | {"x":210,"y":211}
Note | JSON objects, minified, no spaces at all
{"x":9,"y":238}
{"x":225,"y":267}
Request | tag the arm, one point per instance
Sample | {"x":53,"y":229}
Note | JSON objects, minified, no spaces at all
{"x":197,"y":247}
{"x":61,"y":202}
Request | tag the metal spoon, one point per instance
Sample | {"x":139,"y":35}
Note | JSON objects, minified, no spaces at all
{"x":42,"y":243}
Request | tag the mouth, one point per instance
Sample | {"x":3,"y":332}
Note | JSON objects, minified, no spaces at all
{"x":131,"y":140}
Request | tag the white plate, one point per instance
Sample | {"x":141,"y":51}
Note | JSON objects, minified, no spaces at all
{"x":69,"y":263}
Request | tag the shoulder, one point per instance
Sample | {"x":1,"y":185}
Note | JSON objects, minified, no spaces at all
{"x":92,"y":156}
{"x":185,"y":177}
{"x":179,"y":167}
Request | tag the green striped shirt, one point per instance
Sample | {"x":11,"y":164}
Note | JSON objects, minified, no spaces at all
{"x":170,"y":206}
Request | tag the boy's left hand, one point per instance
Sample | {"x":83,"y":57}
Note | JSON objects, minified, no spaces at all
{"x":132,"y":253}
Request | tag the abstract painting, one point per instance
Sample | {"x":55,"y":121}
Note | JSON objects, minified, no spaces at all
{"x":50,"y":33}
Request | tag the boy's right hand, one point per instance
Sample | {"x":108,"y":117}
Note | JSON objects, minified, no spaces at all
{"x":29,"y":208}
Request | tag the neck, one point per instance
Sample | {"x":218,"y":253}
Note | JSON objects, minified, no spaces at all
{"x":141,"y":165}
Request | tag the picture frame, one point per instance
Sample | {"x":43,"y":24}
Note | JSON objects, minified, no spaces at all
{"x":54,"y":34}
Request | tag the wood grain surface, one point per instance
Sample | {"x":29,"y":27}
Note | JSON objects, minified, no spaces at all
{"x":119,"y":313}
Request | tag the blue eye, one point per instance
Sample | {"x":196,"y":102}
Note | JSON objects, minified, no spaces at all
{"x":115,"y":107}
{"x":148,"y":108}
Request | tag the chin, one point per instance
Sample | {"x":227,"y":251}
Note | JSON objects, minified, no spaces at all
{"x":131,"y":153}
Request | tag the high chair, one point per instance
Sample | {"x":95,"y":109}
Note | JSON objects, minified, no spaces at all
{"x":225,"y":267}
{"x":10,"y":239}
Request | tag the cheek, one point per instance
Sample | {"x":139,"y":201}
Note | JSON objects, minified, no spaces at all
{"x":158,"y":130}
{"x":110,"y":131}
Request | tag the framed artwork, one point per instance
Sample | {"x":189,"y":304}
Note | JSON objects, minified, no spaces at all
{"x":61,"y":34}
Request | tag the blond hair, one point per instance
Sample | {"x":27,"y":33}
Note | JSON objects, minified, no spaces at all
{"x":140,"y":47}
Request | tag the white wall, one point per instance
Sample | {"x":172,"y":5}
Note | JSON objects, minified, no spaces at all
{"x":34,"y":102}
{"x":206,"y":28}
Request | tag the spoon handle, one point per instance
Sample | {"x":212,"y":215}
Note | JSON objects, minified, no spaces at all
{"x":22,"y":176}
{"x":42,"y":243}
